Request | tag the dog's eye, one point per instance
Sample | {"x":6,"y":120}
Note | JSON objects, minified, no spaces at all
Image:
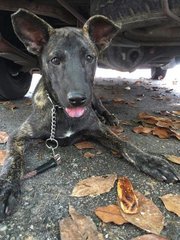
{"x":56,"y":61}
{"x":89,"y":58}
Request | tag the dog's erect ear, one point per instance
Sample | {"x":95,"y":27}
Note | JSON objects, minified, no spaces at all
{"x":100,"y":30}
{"x":31,"y":30}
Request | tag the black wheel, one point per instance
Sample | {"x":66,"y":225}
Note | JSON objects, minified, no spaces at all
{"x":157,"y":73}
{"x":14,"y":84}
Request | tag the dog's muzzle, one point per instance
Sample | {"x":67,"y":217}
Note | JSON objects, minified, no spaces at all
{"x":76,"y":100}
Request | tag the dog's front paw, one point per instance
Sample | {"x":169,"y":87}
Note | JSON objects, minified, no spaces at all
{"x":152,"y":165}
{"x":9,"y":195}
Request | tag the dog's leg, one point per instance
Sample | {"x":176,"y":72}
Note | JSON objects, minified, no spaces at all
{"x":12,"y":171}
{"x":103,"y":114}
{"x":13,"y":167}
{"x":152,"y":165}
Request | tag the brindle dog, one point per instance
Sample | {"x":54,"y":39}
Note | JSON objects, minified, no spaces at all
{"x":68,"y":58}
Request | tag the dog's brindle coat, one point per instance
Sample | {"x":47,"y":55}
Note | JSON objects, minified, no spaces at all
{"x":68,"y":58}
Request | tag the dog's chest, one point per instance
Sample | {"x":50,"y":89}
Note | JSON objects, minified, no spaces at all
{"x":68,"y":129}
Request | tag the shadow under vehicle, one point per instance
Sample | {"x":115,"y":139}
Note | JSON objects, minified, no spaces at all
{"x":149,"y":36}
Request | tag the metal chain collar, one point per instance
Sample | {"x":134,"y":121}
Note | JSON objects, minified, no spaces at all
{"x":51,"y":142}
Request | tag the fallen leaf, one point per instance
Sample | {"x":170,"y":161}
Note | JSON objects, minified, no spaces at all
{"x":110,"y":213}
{"x":164,"y":128}
{"x":162,"y":133}
{"x":69,"y":230}
{"x":98,"y":152}
{"x":94,"y":185}
{"x":84,"y":145}
{"x":148,"y":218}
{"x":78,"y":227}
{"x":173,"y":158}
{"x":89,"y":155}
{"x":2,"y":156}
{"x":116,"y":129}
{"x":155,"y":120}
{"x":124,"y":122}
{"x":147,"y":118}
{"x":165,"y":123}
{"x":172,"y":203}
{"x":28,"y":102}
{"x":175,"y":133}
{"x":115,"y":153}
{"x":176,"y":112}
{"x":3,"y":137}
{"x":9,"y":105}
{"x":141,"y":129}
{"x":149,"y":237}
{"x":119,"y":100}
{"x":127,"y":198}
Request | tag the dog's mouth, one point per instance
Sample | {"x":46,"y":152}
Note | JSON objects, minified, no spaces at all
{"x":75,"y":112}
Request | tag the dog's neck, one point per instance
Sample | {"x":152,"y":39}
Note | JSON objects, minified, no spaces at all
{"x":52,"y":101}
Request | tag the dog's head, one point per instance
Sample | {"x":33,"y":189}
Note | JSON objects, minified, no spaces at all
{"x":68,"y":56}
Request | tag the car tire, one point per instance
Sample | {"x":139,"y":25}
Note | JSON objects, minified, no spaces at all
{"x":157,"y":73}
{"x":14,"y":84}
{"x":130,"y":13}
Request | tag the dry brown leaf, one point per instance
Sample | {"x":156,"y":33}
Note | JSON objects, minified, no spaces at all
{"x":155,"y":120}
{"x":141,"y":129}
{"x":2,"y":156}
{"x":78,"y":227}
{"x":176,"y":125}
{"x":165,"y":123}
{"x":176,"y":112}
{"x":28,"y":102}
{"x":124,"y":122}
{"x":172,"y":203}
{"x":148,"y":218}
{"x":110,"y":213}
{"x":147,"y":118}
{"x":84,"y":145}
{"x":175,"y":133}
{"x":162,"y":133}
{"x":3,"y":137}
{"x":127,"y":198}
{"x":119,"y":100}
{"x":149,"y":237}
{"x":89,"y":155}
{"x":115,"y":153}
{"x":9,"y":105}
{"x":173,"y":158}
{"x":165,"y":127}
{"x":69,"y":230}
{"x":95,"y":185}
{"x":116,"y":129}
{"x":98,"y":152}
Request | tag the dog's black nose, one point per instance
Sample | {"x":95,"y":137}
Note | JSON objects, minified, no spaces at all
{"x":76,"y":99}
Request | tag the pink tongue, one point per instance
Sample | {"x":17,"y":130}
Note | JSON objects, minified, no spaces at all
{"x":75,"y":112}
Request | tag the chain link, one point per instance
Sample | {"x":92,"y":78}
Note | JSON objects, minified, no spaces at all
{"x":51,"y":142}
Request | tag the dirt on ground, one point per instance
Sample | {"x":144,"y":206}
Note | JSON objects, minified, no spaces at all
{"x":46,"y":198}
